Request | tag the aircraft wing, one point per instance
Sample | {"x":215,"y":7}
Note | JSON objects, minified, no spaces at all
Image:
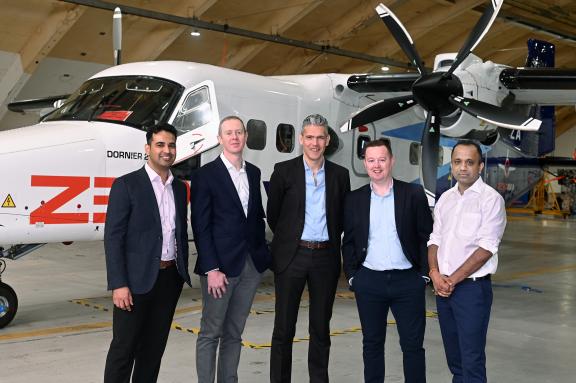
{"x":36,"y":104}
{"x":542,"y":86}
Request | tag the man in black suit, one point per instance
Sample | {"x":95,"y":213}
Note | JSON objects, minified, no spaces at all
{"x":146,"y":245}
{"x":305,"y":213}
{"x":386,"y":227}
{"x":228,"y":225}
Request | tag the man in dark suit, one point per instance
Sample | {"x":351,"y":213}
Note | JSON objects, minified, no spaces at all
{"x":386,"y":226}
{"x":146,"y":244}
{"x":305,"y":213}
{"x":228,"y":225}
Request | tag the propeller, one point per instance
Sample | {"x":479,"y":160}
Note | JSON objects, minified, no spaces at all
{"x":439,"y":93}
{"x":478,"y":32}
{"x":117,"y":34}
{"x":377,"y":111}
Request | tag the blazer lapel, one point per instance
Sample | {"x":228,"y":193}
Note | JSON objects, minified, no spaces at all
{"x":399,"y":200}
{"x":227,"y":182}
{"x":328,"y":184}
{"x":300,"y":183}
{"x":252,"y":187}
{"x":149,"y":194}
{"x":364,"y":213}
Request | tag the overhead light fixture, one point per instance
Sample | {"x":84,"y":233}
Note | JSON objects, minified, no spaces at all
{"x":385,"y":69}
{"x":195,"y":33}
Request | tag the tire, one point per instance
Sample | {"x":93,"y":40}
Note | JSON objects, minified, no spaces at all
{"x":8,"y":304}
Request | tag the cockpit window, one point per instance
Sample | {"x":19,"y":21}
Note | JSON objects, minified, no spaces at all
{"x":132,"y":100}
{"x":196,"y":111}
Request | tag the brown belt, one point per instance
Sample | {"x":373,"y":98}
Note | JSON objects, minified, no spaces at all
{"x":314,"y":245}
{"x":166,"y":264}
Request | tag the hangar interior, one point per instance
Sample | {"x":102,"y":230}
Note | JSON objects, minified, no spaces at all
{"x":50,"y":47}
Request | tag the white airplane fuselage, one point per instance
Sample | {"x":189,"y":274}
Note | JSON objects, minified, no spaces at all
{"x":58,"y":172}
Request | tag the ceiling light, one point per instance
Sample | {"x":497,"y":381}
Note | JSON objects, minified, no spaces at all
{"x":195,"y":33}
{"x":385,"y":69}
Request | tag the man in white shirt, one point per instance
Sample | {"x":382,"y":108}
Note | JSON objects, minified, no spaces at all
{"x":469,"y":221}
{"x":228,"y":225}
{"x":146,"y":244}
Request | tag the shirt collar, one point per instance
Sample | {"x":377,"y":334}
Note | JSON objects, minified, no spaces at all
{"x":308,"y":168}
{"x":155,"y":177}
{"x":476,"y":187}
{"x":229,"y":165}
{"x":389,"y":191}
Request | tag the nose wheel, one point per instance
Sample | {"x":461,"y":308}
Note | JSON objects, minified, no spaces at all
{"x":8,"y":300}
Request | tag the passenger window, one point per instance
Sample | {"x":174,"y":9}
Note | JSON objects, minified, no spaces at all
{"x":285,"y":138}
{"x":256,"y":134}
{"x":196,"y":111}
{"x":414,"y":155}
{"x":361,"y":146}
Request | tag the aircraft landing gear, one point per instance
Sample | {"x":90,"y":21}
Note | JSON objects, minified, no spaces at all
{"x":8,"y":300}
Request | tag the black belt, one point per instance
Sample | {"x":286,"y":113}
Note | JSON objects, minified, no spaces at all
{"x":167,"y":264}
{"x":476,"y":279}
{"x":314,"y":245}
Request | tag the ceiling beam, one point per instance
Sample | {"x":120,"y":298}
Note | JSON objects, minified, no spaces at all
{"x":57,"y":23}
{"x":225,"y":28}
{"x":348,"y":25}
{"x":162,"y":35}
{"x":242,"y":55}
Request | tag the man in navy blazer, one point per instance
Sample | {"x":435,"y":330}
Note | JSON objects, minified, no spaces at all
{"x":229,"y":231}
{"x":146,"y":245}
{"x":386,"y":228}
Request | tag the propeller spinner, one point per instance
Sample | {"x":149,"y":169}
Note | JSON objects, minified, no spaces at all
{"x":439,"y":93}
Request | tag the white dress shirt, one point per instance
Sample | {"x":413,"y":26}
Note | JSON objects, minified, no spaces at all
{"x":465,"y":222}
{"x":240,"y":181}
{"x":167,"y":209}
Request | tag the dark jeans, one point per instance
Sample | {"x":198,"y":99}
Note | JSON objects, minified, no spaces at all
{"x":464,"y":318}
{"x":401,"y":291}
{"x":320,"y":269}
{"x":140,"y":336}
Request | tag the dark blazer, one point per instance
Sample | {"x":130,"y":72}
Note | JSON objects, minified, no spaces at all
{"x":287,"y":203}
{"x":133,"y":233}
{"x":224,"y":236}
{"x":413,"y":224}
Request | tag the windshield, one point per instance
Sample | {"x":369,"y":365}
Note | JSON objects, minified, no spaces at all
{"x":133,"y":100}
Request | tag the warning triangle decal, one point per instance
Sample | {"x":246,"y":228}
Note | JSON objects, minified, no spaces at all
{"x":8,"y":202}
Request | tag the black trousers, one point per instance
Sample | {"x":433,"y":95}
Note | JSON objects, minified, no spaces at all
{"x":320,"y":269}
{"x":140,"y":336}
{"x":402,"y":292}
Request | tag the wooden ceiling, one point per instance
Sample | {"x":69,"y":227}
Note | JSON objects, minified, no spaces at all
{"x":49,"y":28}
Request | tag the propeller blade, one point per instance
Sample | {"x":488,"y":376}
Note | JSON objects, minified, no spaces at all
{"x":477,"y":33}
{"x":377,"y":111}
{"x":496,"y":115}
{"x":117,"y":34}
{"x":401,"y":36}
{"x":430,"y":146}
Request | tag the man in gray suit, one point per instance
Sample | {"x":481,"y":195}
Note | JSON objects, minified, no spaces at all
{"x":228,"y":225}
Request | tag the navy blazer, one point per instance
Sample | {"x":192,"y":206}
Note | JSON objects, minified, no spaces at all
{"x":413,"y":224}
{"x":133,"y":233}
{"x":287,"y":205}
{"x":223,"y":234}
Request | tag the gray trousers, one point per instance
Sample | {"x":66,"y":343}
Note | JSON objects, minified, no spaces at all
{"x":222,"y":324}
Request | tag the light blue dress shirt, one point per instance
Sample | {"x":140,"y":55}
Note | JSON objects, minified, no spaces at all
{"x":384,"y":247}
{"x":315,"y":228}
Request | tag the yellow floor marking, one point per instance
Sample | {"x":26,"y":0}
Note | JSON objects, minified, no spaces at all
{"x":56,"y":330}
{"x":524,"y":274}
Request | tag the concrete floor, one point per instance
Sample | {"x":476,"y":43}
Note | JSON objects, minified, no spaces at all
{"x":63,"y":327}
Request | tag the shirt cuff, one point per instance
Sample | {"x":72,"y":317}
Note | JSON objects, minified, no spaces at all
{"x":216,"y":269}
{"x":350,"y":281}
